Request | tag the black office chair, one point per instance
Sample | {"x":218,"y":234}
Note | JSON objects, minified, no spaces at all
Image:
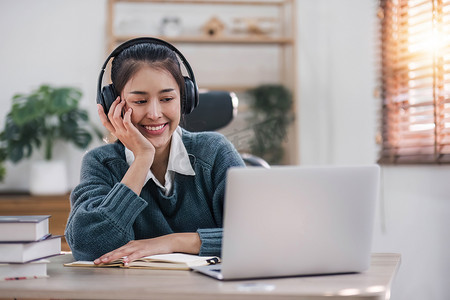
{"x":216,"y":110}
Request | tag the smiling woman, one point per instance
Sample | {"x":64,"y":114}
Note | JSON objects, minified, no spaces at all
{"x":159,"y":188}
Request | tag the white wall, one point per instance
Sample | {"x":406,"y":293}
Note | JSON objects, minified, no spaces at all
{"x":337,"y":125}
{"x":63,"y":42}
{"x":55,"y":42}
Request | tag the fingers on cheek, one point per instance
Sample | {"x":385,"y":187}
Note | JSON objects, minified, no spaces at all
{"x":110,"y":116}
{"x":127,"y":113}
{"x":127,"y":116}
{"x":116,"y":118}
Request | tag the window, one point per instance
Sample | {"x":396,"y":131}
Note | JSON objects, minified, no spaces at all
{"x":415,"y":81}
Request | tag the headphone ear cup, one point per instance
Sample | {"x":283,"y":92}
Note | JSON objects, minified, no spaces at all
{"x":109,"y":95}
{"x":190,"y":99}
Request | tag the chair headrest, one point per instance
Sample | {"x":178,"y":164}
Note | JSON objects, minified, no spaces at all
{"x":216,"y":109}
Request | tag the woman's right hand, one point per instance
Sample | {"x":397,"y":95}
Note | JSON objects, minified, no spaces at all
{"x":119,"y":124}
{"x":123,"y":129}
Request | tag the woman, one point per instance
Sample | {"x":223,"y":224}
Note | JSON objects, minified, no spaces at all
{"x":159,"y":189}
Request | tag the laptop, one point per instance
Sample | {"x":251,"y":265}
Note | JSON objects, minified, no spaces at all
{"x":294,"y":220}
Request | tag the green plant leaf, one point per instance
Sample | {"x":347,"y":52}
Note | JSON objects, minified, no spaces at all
{"x":3,"y":154}
{"x":2,"y":171}
{"x":82,"y":138}
{"x":64,"y":100}
{"x":27,"y":109}
{"x":16,"y":152}
{"x":42,"y":117}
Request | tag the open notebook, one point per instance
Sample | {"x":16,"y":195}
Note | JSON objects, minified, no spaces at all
{"x":172,"y":261}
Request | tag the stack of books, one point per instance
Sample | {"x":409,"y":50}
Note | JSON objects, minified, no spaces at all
{"x":25,"y":242}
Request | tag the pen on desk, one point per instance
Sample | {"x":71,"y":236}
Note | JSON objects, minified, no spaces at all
{"x":23,"y":277}
{"x":45,"y":237}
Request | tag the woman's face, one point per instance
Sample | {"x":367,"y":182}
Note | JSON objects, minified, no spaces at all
{"x":154,"y":96}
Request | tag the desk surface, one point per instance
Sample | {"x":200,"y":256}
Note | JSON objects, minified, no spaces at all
{"x":116,"y":283}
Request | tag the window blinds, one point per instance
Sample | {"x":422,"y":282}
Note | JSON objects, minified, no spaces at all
{"x":415,"y":81}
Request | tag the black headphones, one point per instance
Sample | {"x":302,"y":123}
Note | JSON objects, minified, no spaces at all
{"x":108,"y":94}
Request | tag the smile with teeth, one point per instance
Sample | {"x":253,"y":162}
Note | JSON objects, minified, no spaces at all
{"x":155,"y":128}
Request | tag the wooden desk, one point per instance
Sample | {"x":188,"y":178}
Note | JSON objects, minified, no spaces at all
{"x":56,"y":206}
{"x":102,"y":283}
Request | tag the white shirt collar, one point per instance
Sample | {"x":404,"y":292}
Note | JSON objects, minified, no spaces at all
{"x":178,"y":162}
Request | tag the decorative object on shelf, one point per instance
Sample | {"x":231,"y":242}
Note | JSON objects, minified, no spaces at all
{"x":170,"y":26}
{"x":271,"y":114}
{"x":214,"y":27}
{"x":38,"y":120}
{"x":255,"y":26}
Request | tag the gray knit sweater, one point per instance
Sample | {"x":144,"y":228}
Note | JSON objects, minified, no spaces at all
{"x":106,"y":214}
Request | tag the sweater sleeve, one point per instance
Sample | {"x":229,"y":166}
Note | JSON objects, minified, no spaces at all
{"x":211,"y":239}
{"x":102,"y":210}
{"x":225,"y":158}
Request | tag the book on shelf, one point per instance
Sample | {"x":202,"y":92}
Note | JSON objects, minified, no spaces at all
{"x":172,"y":261}
{"x":23,"y":228}
{"x":22,"y":252}
{"x":36,"y":269}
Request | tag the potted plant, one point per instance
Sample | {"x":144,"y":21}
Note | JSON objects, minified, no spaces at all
{"x":271,"y":115}
{"x":38,"y":120}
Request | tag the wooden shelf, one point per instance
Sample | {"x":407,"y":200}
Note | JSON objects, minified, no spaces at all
{"x":284,"y":39}
{"x":283,"y":7}
{"x":256,"y":54}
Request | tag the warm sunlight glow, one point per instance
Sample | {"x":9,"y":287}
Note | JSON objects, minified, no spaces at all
{"x":420,"y":127}
{"x":427,"y":39}
{"x":416,"y":78}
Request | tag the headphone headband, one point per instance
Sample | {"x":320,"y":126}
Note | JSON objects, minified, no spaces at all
{"x":190,"y":85}
{"x":151,"y":40}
